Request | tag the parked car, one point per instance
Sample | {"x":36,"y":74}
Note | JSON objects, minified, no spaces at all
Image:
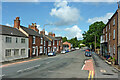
{"x":88,"y":50}
{"x":63,"y":52}
{"x":77,"y":48}
{"x":88,"y":53}
{"x":67,"y":51}
{"x":51,"y":54}
{"x":72,"y":49}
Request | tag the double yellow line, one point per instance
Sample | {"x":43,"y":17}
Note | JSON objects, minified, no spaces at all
{"x":91,"y":75}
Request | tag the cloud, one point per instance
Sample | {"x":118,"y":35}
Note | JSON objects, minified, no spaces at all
{"x":7,"y":24}
{"x":67,"y":15}
{"x":40,"y":29}
{"x":102,"y":18}
{"x":74,"y":31}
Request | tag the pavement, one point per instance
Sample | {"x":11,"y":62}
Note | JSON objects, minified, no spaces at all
{"x":72,"y":65}
{"x":104,"y":70}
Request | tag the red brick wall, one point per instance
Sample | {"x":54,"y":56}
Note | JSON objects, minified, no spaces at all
{"x":112,"y":41}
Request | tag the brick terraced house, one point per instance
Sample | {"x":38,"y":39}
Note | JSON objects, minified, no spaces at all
{"x":35,"y":39}
{"x":54,"y":45}
{"x":110,"y":40}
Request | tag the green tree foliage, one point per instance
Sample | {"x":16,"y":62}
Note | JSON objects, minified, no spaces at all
{"x":73,"y":41}
{"x":89,"y":36}
{"x":64,"y":39}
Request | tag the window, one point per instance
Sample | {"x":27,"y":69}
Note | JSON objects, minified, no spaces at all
{"x":16,"y":40}
{"x":114,"y":34}
{"x":16,"y":52}
{"x":8,"y":52}
{"x":61,"y":41}
{"x":106,"y":37}
{"x":41,"y":48}
{"x":44,"y":49}
{"x":41,"y":40}
{"x":8,"y":39}
{"x":44,"y":43}
{"x":109,"y":26}
{"x":57,"y":42}
{"x":49,"y":43}
{"x":33,"y":50}
{"x":114,"y":48}
{"x":22,"y":40}
{"x":113,"y":22}
{"x":53,"y":42}
{"x":22,"y":51}
{"x":48,"y":49}
{"x":109,"y":36}
{"x":109,"y":48}
{"x":33,"y":39}
{"x":103,"y":31}
{"x":106,"y":28}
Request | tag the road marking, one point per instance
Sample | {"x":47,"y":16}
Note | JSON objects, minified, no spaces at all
{"x":2,"y":75}
{"x":19,"y":62}
{"x":92,"y":74}
{"x":83,"y":67}
{"x":30,"y":68}
{"x":89,"y":75}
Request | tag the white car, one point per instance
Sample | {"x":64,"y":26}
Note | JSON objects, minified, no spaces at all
{"x":77,"y":48}
{"x":51,"y":54}
{"x":63,"y":52}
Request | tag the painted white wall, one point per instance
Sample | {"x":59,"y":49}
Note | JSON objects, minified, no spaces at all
{"x":13,"y":46}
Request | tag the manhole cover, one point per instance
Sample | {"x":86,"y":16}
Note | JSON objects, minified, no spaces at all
{"x":103,"y":71}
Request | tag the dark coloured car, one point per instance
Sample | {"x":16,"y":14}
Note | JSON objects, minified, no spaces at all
{"x":88,"y":53}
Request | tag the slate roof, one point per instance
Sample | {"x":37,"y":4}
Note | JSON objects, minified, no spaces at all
{"x":46,"y":38}
{"x":6,"y":30}
{"x":31,"y":31}
{"x":53,"y":38}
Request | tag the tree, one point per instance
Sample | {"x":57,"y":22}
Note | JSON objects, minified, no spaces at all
{"x":89,"y":36}
{"x":64,"y":39}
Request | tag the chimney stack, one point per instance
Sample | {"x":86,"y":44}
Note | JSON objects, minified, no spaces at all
{"x":42,"y":32}
{"x":53,"y":34}
{"x":17,"y":23}
{"x":34,"y":27}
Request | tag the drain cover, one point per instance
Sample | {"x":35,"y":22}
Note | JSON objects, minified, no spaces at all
{"x":103,"y":71}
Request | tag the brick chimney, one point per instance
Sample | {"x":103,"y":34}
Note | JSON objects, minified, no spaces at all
{"x":17,"y":23}
{"x":42,"y":32}
{"x":50,"y":34}
{"x":53,"y":35}
{"x":34,"y":27}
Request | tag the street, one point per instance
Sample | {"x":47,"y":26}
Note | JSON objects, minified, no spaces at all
{"x":69,"y":65}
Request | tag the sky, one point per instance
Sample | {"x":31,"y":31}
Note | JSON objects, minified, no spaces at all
{"x":64,"y":18}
